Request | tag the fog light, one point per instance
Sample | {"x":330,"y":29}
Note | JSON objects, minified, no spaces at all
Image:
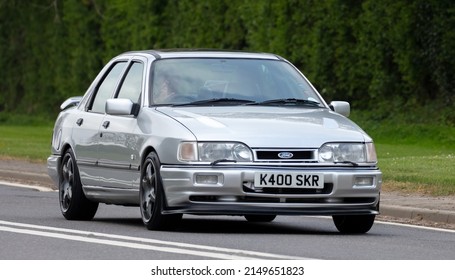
{"x":365,"y":181}
{"x":207,"y":179}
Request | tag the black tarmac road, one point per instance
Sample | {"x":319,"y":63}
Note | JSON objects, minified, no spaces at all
{"x":32,"y":228}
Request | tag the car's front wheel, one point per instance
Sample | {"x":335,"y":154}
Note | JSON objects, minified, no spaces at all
{"x":354,"y":224}
{"x":152,"y":196}
{"x":73,"y":203}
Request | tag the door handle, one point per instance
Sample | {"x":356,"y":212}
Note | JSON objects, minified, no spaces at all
{"x":80,"y":121}
{"x":106,"y":124}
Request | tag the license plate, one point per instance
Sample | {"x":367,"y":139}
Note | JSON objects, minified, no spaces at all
{"x":289,"y":180}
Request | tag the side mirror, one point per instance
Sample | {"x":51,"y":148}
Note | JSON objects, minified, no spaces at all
{"x":121,"y":107}
{"x":71,"y":102}
{"x":341,"y":107}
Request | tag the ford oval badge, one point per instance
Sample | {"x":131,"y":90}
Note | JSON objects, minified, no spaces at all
{"x":285,"y":155}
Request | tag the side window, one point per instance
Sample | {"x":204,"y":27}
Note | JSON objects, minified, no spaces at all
{"x":132,"y":85}
{"x":106,"y":88}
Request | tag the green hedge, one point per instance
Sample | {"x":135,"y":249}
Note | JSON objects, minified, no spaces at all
{"x":379,"y":55}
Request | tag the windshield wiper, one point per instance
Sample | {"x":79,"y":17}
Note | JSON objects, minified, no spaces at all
{"x":288,"y":101}
{"x":217,"y":101}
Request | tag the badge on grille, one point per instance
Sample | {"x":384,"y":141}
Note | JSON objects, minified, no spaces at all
{"x":285,"y":155}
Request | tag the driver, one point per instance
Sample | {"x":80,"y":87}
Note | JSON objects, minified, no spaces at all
{"x":164,"y":91}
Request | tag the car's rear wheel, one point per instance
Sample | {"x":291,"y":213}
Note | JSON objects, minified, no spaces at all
{"x":355,"y":224}
{"x":152,"y":196}
{"x":73,"y":202}
{"x":260,"y":218}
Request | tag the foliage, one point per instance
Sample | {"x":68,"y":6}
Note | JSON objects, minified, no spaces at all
{"x":379,"y":55}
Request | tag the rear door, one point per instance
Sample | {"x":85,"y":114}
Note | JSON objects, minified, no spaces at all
{"x":86,"y":134}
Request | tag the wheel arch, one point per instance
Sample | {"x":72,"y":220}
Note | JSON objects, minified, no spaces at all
{"x":144,"y":155}
{"x":65,"y":147}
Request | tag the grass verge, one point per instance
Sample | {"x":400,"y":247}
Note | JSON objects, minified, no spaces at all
{"x":413,"y":158}
{"x":26,"y":142}
{"x":416,"y":154}
{"x":417,"y":169}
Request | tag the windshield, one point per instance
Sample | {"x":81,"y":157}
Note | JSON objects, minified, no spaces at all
{"x":192,"y":81}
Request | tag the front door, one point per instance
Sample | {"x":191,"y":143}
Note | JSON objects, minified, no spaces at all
{"x":119,"y":147}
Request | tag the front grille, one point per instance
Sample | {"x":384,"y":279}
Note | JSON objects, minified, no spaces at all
{"x":284,"y":155}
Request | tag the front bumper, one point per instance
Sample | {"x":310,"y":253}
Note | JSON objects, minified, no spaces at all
{"x":234,"y":193}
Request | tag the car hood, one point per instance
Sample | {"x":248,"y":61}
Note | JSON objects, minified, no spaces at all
{"x":264,"y":126}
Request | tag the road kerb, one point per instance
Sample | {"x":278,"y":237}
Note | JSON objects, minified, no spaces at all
{"x":418,"y":214}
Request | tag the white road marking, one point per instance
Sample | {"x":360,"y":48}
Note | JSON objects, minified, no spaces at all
{"x":416,"y":226}
{"x":400,"y":225}
{"x":139,"y":243}
{"x":38,"y":188}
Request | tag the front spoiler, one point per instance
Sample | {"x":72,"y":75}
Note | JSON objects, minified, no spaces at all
{"x":239,"y":209}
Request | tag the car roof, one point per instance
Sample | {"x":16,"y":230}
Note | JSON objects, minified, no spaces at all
{"x":203,"y":53}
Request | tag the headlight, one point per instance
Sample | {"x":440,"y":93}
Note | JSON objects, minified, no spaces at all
{"x":214,"y":151}
{"x":348,"y":152}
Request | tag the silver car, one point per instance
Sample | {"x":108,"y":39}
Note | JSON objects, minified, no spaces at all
{"x":212,"y":132}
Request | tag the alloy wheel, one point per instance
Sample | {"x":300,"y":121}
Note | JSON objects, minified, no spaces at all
{"x":149,"y":189}
{"x":67,"y":183}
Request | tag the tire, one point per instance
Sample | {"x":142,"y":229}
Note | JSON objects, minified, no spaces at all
{"x":152,"y":199}
{"x":74,"y":205}
{"x":354,"y":224}
{"x":260,"y":218}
